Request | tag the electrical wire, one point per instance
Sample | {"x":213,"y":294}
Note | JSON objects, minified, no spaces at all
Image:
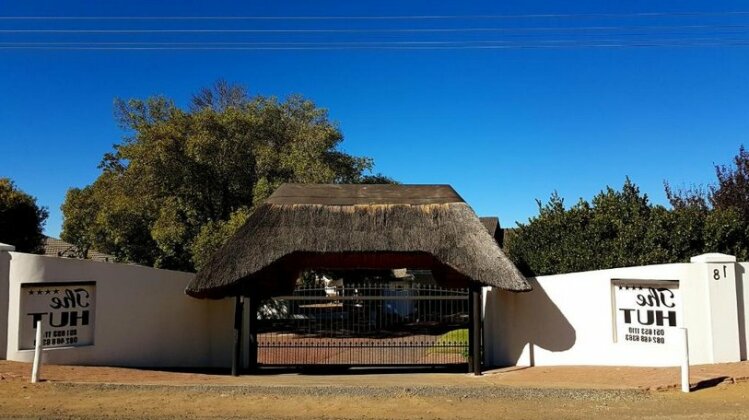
{"x":586,"y":36}
{"x":401,"y":17}
{"x":428,"y":45}
{"x":371,"y":30}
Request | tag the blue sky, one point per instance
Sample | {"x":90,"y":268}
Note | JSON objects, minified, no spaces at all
{"x":504,"y":127}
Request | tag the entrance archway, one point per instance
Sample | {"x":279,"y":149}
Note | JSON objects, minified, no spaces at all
{"x":358,"y":227}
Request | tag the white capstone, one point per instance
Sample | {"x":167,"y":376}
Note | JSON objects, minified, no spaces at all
{"x":713,"y":257}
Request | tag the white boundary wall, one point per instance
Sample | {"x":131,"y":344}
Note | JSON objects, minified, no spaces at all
{"x":142,"y":318}
{"x":569,"y":319}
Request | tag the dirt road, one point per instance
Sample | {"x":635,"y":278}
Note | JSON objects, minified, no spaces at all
{"x":202,"y":396}
{"x":18,"y":399}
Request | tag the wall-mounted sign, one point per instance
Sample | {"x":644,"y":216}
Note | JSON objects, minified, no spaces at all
{"x":646,"y":311}
{"x":66,"y":310}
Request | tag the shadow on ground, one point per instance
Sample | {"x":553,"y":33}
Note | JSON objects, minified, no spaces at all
{"x":709,"y":383}
{"x":321,"y":370}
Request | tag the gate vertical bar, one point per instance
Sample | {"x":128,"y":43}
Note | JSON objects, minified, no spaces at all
{"x":253,"y":306}
{"x":365,"y":324}
{"x":476,"y":330}
{"x":237,"y":351}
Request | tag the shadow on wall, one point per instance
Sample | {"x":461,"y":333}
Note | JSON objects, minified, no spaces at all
{"x":531,"y":319}
{"x":740,"y":278}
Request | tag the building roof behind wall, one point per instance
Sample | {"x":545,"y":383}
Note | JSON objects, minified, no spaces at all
{"x":58,"y":248}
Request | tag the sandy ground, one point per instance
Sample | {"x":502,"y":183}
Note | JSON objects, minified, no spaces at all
{"x":583,"y":377}
{"x":573,"y":392}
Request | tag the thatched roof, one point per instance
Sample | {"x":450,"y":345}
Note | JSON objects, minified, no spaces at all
{"x":356,"y":226}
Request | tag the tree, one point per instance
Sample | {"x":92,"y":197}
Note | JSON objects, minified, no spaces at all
{"x":622,"y":228}
{"x":721,"y":211}
{"x":617,"y":228}
{"x":181,"y":181}
{"x":727,"y":227}
{"x":21,"y":219}
{"x":732,"y":190}
{"x":213,"y":235}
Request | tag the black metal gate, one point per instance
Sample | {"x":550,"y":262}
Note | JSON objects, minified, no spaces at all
{"x":369,"y":324}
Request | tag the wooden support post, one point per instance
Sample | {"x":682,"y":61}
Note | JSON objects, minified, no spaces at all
{"x":236,"y":359}
{"x":476,"y":329}
{"x":470,"y":331}
{"x":253,"y":307}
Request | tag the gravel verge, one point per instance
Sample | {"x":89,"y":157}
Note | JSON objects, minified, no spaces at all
{"x":462,"y":392}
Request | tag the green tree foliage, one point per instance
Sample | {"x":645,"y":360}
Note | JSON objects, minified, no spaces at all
{"x":617,"y":228}
{"x":620,"y":228}
{"x":727,"y":231}
{"x":723,"y":207}
{"x":732,"y":189}
{"x":727,"y":227}
{"x":183,"y":181}
{"x":213,"y":234}
{"x":21,"y":219}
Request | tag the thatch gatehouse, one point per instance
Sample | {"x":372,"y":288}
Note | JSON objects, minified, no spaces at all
{"x":303,"y":227}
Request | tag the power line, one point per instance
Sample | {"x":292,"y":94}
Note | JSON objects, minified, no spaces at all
{"x":383,"y":46}
{"x":401,"y":17}
{"x":587,"y":36}
{"x":371,"y":30}
{"x":346,"y":43}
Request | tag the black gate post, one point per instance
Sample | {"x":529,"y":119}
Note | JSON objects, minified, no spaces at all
{"x":470,"y":330}
{"x":476,"y":329}
{"x":237,"y":351}
{"x":254,"y":303}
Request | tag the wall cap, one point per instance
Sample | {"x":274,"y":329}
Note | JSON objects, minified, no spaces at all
{"x":6,"y":247}
{"x":713,"y":257}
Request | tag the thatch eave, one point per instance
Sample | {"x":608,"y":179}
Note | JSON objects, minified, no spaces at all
{"x":357,"y":227}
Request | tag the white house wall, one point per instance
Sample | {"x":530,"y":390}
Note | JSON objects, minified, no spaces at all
{"x":568,"y":319}
{"x":142,"y":318}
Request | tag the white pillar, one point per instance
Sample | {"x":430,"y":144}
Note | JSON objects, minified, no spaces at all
{"x":487,"y":294}
{"x":722,"y":306}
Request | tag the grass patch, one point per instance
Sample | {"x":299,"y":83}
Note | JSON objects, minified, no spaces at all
{"x":452,"y":342}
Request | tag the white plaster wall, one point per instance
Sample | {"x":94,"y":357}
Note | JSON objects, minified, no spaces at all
{"x":567,"y":320}
{"x":143,"y":317}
